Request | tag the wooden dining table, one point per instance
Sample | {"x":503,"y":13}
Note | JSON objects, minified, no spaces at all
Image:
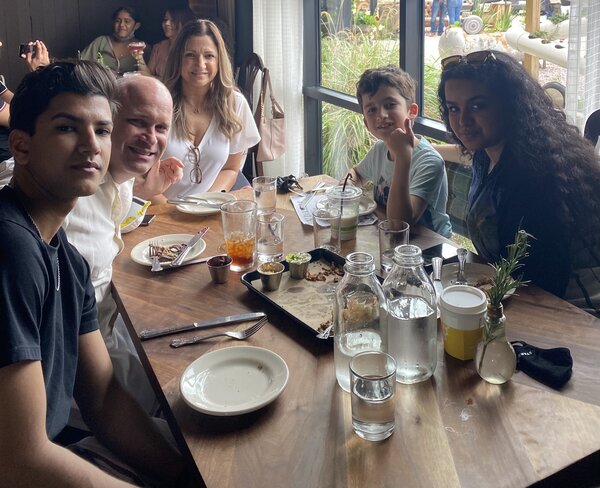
{"x":451,"y":430}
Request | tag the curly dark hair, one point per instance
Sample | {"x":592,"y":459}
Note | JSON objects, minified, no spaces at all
{"x":546,"y":147}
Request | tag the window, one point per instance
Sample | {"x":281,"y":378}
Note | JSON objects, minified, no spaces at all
{"x":342,"y":39}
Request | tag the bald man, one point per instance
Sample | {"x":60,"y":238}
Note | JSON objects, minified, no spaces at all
{"x":139,"y":138}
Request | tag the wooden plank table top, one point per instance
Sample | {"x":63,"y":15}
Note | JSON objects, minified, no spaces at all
{"x":453,"y":430}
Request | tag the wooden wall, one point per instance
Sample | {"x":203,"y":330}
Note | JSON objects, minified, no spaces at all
{"x":69,"y":25}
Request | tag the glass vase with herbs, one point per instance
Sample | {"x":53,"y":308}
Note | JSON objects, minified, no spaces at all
{"x":495,"y":358}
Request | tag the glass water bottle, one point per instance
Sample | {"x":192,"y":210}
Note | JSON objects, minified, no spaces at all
{"x":412,"y":316}
{"x":360,"y":317}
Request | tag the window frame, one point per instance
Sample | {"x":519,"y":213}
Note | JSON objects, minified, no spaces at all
{"x":412,"y":48}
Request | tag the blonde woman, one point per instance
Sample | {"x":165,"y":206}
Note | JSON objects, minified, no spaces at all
{"x":212,"y":125}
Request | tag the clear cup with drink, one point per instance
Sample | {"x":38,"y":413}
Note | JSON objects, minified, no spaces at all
{"x":239,"y":228}
{"x":346,"y":198}
{"x":269,"y":231}
{"x":265,"y":193}
{"x":135,"y":49}
{"x":372,"y":389}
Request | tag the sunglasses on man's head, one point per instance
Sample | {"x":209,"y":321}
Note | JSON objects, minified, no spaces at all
{"x":477,"y":57}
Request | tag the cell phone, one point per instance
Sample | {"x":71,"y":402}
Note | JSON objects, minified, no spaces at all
{"x":26,"y":48}
{"x":445,"y":251}
{"x":147,"y":219}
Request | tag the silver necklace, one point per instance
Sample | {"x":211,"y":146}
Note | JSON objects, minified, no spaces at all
{"x":57,"y":259}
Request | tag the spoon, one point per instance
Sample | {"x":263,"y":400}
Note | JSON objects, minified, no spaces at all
{"x":460,"y":276}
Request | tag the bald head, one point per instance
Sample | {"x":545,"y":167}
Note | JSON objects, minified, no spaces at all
{"x":141,"y":126}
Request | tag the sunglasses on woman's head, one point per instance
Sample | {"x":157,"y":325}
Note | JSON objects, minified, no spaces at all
{"x":477,"y":57}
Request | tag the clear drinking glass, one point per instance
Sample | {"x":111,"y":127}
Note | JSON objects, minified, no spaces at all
{"x":265,"y":193}
{"x":239,"y":229}
{"x":372,"y":388}
{"x":269,"y":234}
{"x":392,"y":233}
{"x":324,"y":221}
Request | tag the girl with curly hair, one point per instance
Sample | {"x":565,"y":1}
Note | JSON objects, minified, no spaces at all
{"x":212,"y":125}
{"x":531,"y":170}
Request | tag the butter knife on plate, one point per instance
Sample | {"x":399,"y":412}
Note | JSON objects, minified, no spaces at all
{"x":178,"y":261}
{"x":205,"y":324}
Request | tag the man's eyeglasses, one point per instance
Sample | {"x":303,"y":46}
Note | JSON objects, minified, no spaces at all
{"x":193,"y":157}
{"x":477,"y":57}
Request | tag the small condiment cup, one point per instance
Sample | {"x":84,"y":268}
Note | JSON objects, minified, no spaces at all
{"x":462,"y":308}
{"x":298,"y":264}
{"x":270,"y":275}
{"x":218,"y":267}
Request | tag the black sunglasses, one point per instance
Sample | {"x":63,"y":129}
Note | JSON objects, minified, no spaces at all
{"x":477,"y":57}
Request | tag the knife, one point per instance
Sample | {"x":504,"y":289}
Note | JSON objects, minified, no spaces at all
{"x":192,"y":242}
{"x":304,"y":202}
{"x":230,"y":319}
{"x":180,"y":201}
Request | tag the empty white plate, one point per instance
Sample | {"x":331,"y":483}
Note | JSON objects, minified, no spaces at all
{"x":201,"y":210}
{"x":234,"y":380}
{"x":140,"y":253}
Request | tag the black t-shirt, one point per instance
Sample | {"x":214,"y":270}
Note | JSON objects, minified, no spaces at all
{"x":46,"y":302}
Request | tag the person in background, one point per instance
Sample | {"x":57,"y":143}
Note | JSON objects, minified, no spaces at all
{"x":173,"y":21}
{"x":37,"y":56}
{"x":409,"y":176}
{"x":112,"y":50}
{"x":454,"y":12}
{"x":51,"y":351}
{"x":437,"y":7}
{"x":212,"y":123}
{"x":531,"y":170}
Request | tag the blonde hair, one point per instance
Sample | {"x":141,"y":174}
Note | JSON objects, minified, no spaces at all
{"x":220,"y":99}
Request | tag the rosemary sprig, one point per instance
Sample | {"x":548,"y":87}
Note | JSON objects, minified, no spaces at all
{"x":505,"y":279}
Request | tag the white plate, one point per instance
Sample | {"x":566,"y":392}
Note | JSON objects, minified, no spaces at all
{"x":199,"y":209}
{"x":366,"y":205}
{"x":477,"y":274}
{"x":140,"y":252}
{"x":234,"y":380}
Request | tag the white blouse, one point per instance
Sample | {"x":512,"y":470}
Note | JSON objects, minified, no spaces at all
{"x":214,"y":148}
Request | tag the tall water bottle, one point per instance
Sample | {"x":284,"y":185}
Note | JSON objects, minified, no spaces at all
{"x":412,"y":322}
{"x":359,"y":314}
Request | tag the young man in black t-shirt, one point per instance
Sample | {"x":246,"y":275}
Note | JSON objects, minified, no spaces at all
{"x":50,"y":348}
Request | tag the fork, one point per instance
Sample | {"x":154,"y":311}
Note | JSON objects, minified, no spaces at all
{"x":240,"y":335}
{"x":152,"y":252}
{"x":460,"y":275}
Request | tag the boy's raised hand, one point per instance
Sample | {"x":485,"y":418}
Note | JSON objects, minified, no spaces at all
{"x":401,"y":142}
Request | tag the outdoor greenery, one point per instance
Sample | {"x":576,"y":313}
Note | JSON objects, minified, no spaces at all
{"x":345,"y":54}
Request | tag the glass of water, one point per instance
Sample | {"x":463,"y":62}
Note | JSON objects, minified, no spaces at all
{"x":269,"y":233}
{"x":372,"y":388}
{"x":265,"y":193}
{"x":392,"y":233}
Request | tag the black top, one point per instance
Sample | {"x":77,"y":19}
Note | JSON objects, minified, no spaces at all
{"x":37,"y":321}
